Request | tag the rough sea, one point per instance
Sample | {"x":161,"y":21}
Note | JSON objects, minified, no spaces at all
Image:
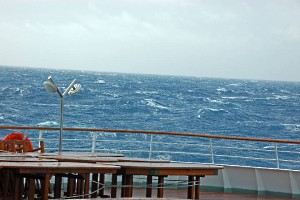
{"x":231,"y":107}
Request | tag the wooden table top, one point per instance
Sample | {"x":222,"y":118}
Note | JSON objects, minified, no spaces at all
{"x":25,"y":159}
{"x":170,"y":165}
{"x":12,"y":154}
{"x":85,"y":154}
{"x":166,"y":169}
{"x":72,"y":165}
{"x":75,"y":158}
{"x":82,"y":158}
{"x":128,"y":159}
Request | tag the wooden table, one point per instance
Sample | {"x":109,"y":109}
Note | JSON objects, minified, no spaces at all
{"x":193,"y":171}
{"x":98,"y":178}
{"x":78,"y":158}
{"x":128,"y":159}
{"x":24,"y":159}
{"x":48,"y":169}
{"x":13,"y":154}
{"x":84,"y":154}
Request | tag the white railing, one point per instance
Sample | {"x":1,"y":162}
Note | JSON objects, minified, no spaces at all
{"x":175,"y":146}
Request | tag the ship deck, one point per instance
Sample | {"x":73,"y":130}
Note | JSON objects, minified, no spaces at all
{"x":139,"y":194}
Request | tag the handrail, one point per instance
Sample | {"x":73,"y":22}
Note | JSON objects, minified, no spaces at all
{"x":155,"y":132}
{"x":215,"y":149}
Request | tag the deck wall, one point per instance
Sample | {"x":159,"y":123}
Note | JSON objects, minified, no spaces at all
{"x":262,"y":181}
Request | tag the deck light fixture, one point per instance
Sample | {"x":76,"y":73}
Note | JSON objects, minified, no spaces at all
{"x":51,"y":87}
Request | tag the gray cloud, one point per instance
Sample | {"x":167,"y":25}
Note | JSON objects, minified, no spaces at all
{"x":231,"y":39}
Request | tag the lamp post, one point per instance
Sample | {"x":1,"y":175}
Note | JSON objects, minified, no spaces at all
{"x":51,"y":87}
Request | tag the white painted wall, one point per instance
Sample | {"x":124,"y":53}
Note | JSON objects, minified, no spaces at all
{"x":261,"y":180}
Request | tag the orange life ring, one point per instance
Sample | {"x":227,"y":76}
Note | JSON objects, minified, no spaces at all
{"x":19,"y":136}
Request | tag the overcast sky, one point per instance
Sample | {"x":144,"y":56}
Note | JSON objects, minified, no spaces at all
{"x":247,"y":39}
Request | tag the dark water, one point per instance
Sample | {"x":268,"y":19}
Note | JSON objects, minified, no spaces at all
{"x":264,"y":109}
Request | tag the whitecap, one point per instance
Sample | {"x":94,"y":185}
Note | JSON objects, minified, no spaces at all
{"x":114,"y":95}
{"x":235,"y":84}
{"x":292,"y":127}
{"x":213,"y":101}
{"x":163,"y":157}
{"x":269,"y":147}
{"x":100,"y":81}
{"x":233,"y":97}
{"x":285,"y":91}
{"x":100,"y":135}
{"x":222,"y":90}
{"x":152,"y":103}
{"x":214,"y":109}
{"x":279,"y":97}
{"x":203,"y":111}
{"x":146,"y":92}
{"x":48,"y":123}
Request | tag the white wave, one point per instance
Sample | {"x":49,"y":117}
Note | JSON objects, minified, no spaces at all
{"x":1,"y":116}
{"x":235,"y":84}
{"x":222,"y":90}
{"x":292,"y":127}
{"x":23,"y":91}
{"x":279,"y":97}
{"x":213,"y":101}
{"x":269,"y":147}
{"x":163,"y":157}
{"x":276,"y":97}
{"x":202,"y":111}
{"x":114,"y":95}
{"x":48,"y":123}
{"x":285,"y":91}
{"x":214,"y":109}
{"x":100,"y":81}
{"x":146,"y":92}
{"x":44,"y":104}
{"x":250,"y":92}
{"x":3,"y":88}
{"x":15,"y":90}
{"x":241,"y":97}
{"x":152,"y":103}
{"x":101,"y":135}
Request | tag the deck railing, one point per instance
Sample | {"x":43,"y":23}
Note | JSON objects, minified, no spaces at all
{"x":175,"y":146}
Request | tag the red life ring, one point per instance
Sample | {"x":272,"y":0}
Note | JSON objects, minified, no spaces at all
{"x":19,"y":136}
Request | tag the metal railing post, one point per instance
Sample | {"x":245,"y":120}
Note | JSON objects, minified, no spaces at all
{"x":150,"y":148}
{"x":211,"y":151}
{"x":41,"y":135}
{"x":276,"y":154}
{"x":94,"y":142}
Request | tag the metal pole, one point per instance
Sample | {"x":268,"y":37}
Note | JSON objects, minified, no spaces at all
{"x":41,"y":135}
{"x":150,"y":150}
{"x":61,"y":124}
{"x":94,"y":142}
{"x":277,"y":158}
{"x":211,"y":151}
{"x":51,"y":87}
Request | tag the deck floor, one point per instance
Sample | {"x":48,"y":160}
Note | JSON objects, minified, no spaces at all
{"x":139,"y":194}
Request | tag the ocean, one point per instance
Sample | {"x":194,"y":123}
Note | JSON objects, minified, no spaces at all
{"x":231,"y":107}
